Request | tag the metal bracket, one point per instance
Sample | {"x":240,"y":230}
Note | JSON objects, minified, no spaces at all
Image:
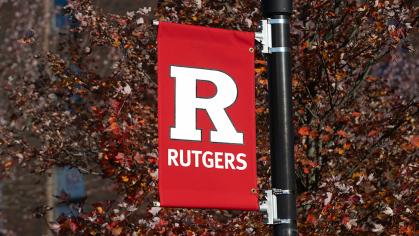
{"x":265,"y":36}
{"x":269,"y":207}
{"x":276,"y":191}
{"x":277,"y":21}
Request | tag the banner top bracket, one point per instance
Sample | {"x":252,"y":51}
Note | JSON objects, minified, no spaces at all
{"x":265,"y":36}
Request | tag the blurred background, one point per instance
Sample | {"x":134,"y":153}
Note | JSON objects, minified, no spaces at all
{"x":23,"y":195}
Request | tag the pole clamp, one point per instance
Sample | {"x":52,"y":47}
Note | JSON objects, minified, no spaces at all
{"x":265,"y":36}
{"x":277,"y":191}
{"x":269,"y":206}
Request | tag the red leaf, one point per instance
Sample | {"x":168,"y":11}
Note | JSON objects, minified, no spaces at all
{"x":115,"y":105}
{"x":346,"y":222}
{"x":311,"y":219}
{"x":304,"y":131}
{"x":356,"y":114}
{"x":325,"y":138}
{"x":72,"y":225}
{"x":119,"y":158}
{"x":139,"y":158}
{"x":305,"y":45}
{"x":408,"y":230}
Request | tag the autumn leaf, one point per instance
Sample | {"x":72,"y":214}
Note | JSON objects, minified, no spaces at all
{"x":141,"y":122}
{"x":309,"y":163}
{"x":114,"y":128}
{"x":128,"y":46}
{"x":357,"y":175}
{"x":415,"y":141}
{"x":314,"y":134}
{"x":139,"y":158}
{"x":304,"y":131}
{"x":115,"y":105}
{"x":260,"y":110}
{"x":116,"y":43}
{"x":325,"y":55}
{"x":346,"y":146}
{"x":341,"y":75}
{"x":124,"y":178}
{"x":99,"y":210}
{"x":356,"y":114}
{"x":372,"y":133}
{"x":260,"y":70}
{"x":329,"y":129}
{"x":119,"y":158}
{"x":260,"y":62}
{"x":409,"y":147}
{"x":325,"y":138}
{"x":345,"y":220}
{"x":8,"y":164}
{"x":342,"y":134}
{"x":408,"y":230}
{"x":349,"y":223}
{"x":312,"y":219}
{"x":116,"y":231}
{"x":263,"y":81}
{"x":304,"y":45}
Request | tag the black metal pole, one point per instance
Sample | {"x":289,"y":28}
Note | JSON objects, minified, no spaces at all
{"x":281,"y":130}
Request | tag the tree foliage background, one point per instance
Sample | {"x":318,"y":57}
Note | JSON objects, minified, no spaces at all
{"x":90,"y":103}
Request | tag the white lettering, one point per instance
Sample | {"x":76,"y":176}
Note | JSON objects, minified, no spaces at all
{"x":187,"y":102}
{"x":241,"y":161}
{"x":172,"y":157}
{"x":218,"y":160}
{"x":196,"y":153}
{"x":229,"y":160}
{"x":182,"y":158}
{"x":208,"y":163}
{"x":208,"y":159}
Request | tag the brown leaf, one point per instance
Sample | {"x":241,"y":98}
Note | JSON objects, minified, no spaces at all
{"x":116,"y":231}
{"x":342,"y":133}
{"x":372,"y":133}
{"x":260,"y":70}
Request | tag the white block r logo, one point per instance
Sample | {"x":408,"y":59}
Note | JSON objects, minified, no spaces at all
{"x":187,"y":102}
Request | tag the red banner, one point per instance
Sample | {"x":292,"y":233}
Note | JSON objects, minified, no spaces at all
{"x":206,"y":113}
